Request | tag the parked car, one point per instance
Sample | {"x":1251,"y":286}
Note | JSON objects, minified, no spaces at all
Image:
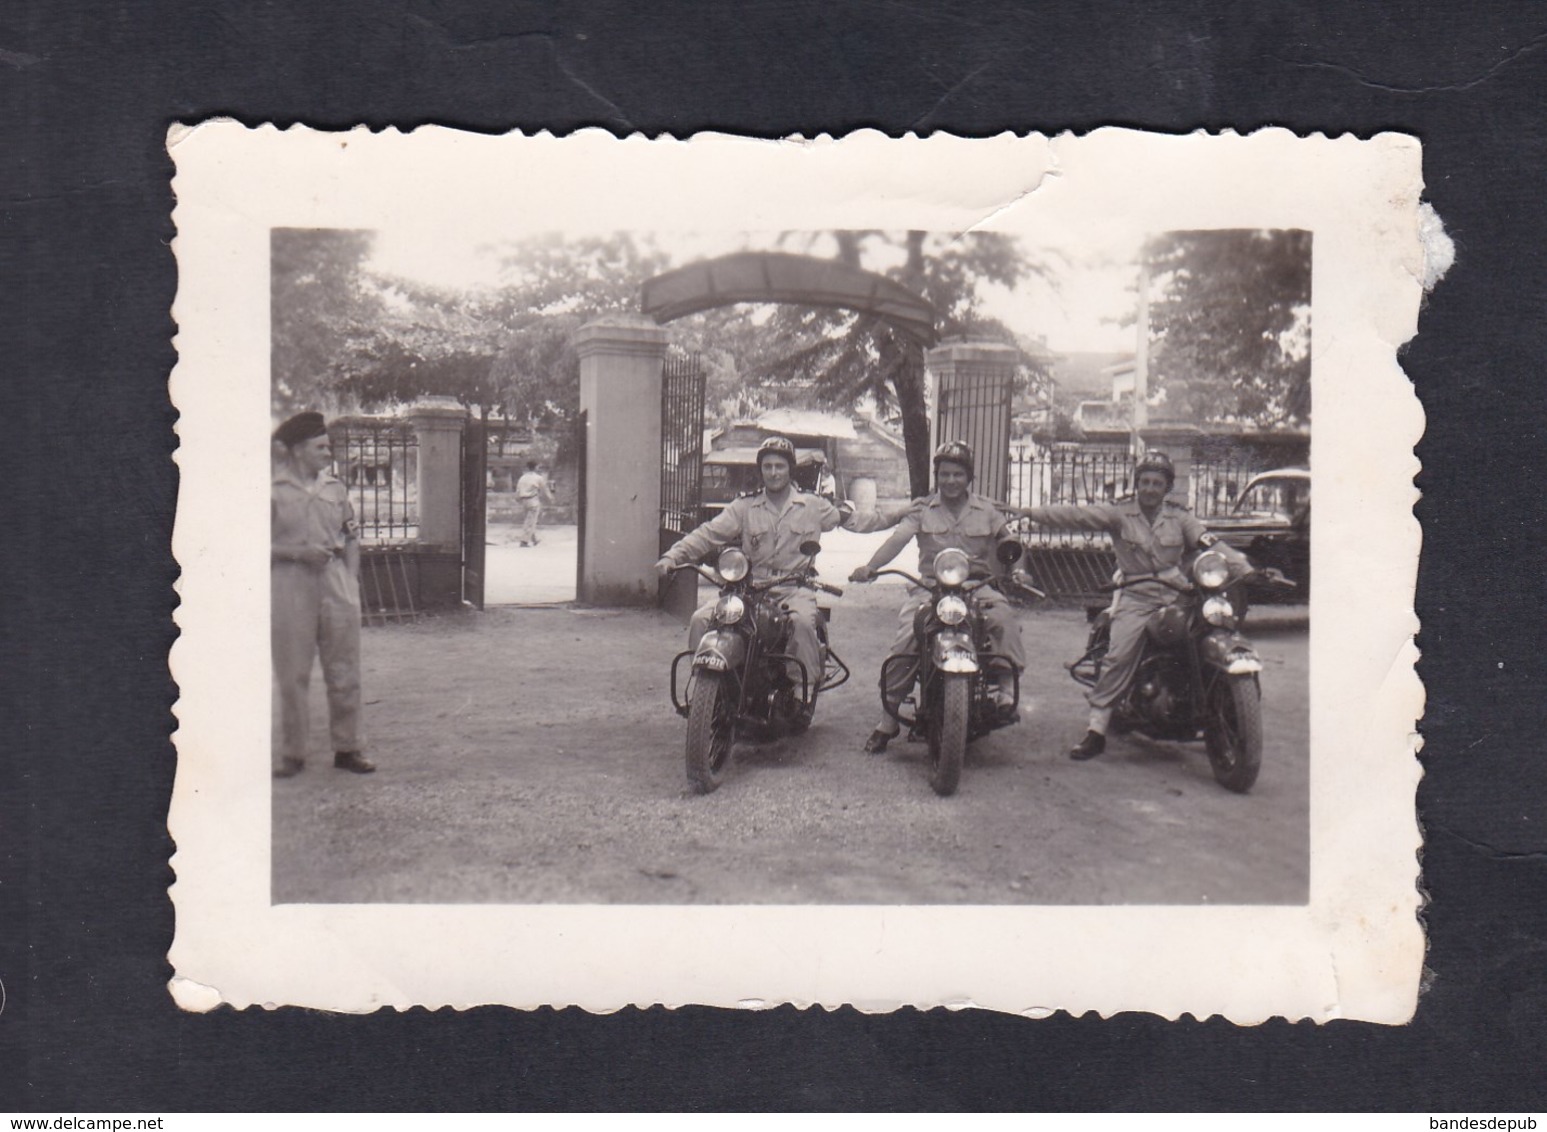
{"x":1271,"y":524}
{"x":729,"y":472}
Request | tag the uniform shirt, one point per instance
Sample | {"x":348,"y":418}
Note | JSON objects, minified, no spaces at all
{"x":530,"y":486}
{"x":1141,"y":547}
{"x":977,"y":530}
{"x":318,"y":514}
{"x":770,"y":538}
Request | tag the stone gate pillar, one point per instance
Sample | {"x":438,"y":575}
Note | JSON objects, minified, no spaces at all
{"x":438,"y":483}
{"x":971,"y":384}
{"x":620,"y":393}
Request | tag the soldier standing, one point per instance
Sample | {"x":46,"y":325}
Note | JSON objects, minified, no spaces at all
{"x":315,"y":594}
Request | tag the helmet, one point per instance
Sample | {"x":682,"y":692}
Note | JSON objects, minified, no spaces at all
{"x":1156,"y":462}
{"x":779,"y":446}
{"x":957,"y":452}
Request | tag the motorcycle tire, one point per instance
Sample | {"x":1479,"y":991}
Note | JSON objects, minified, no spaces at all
{"x":948,"y":733}
{"x":1233,"y":732}
{"x":711,"y":731}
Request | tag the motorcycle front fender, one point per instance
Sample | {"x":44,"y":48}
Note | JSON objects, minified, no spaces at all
{"x":953,"y":651}
{"x":1230,"y":652}
{"x":720,"y":650}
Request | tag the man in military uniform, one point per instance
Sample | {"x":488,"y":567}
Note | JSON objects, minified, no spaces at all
{"x":1150,"y":535}
{"x":314,"y":570}
{"x":954,"y":516}
{"x":770,"y":525}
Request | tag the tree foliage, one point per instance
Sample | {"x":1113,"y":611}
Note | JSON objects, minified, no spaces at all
{"x":317,"y":299}
{"x":345,"y":337}
{"x":840,"y":357}
{"x":1230,"y":323}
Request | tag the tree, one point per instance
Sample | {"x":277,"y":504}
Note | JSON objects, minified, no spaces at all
{"x":423,"y":341}
{"x":1230,"y":318}
{"x":842,"y":356}
{"x":316,"y":301}
{"x":507,"y":350}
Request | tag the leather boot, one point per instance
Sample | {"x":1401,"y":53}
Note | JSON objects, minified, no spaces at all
{"x":353,"y":761}
{"x":1089,"y":747}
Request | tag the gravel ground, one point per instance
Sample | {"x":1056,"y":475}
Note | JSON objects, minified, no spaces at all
{"x":530,"y":755}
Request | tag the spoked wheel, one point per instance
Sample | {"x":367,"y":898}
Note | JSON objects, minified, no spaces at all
{"x":948,"y":732}
{"x":711,"y":730}
{"x":1233,"y":732}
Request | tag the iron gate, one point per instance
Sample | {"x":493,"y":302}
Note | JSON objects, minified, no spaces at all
{"x":977,"y":403}
{"x":682,"y":467}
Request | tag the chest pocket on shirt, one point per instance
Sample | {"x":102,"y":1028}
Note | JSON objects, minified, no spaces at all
{"x":334,"y":510}
{"x":972,"y":526}
{"x":1169,"y":535}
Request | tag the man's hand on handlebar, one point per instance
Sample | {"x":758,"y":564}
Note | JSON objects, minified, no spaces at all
{"x":1024,"y":581}
{"x":861,"y":574}
{"x":664,"y":567}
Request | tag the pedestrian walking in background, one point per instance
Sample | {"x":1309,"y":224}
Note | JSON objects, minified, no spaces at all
{"x":314,"y":572}
{"x":532,"y":492}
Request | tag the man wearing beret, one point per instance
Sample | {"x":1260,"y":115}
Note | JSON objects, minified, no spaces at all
{"x":314,"y":583}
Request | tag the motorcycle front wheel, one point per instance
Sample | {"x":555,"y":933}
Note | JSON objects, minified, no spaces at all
{"x":711,"y":730}
{"x":1233,"y":732}
{"x":948,"y":732}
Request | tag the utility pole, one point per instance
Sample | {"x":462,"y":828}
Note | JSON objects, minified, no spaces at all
{"x":1141,"y":360}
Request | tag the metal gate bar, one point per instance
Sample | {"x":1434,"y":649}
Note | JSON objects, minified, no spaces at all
{"x":682,"y":466}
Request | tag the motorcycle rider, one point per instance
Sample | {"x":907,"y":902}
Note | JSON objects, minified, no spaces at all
{"x":1150,"y":535}
{"x":770,"y":526}
{"x":954,"y":516}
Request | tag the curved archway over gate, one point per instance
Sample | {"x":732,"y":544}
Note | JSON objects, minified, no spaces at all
{"x":643,"y":439}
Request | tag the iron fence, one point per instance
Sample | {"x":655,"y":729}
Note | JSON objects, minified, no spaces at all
{"x":1216,"y":480}
{"x":378,"y":460}
{"x":1075,"y":564}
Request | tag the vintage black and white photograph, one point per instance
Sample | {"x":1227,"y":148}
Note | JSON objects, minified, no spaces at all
{"x":1099,"y":695}
{"x":785,"y":561}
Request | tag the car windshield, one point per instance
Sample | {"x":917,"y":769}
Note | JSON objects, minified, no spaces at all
{"x":1277,"y":498}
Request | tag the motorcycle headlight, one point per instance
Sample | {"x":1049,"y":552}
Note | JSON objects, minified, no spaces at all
{"x":951,"y":609}
{"x":733,"y":564}
{"x":952,"y":566}
{"x":1217,"y":610}
{"x":1211,"y":571}
{"x":729,"y":610}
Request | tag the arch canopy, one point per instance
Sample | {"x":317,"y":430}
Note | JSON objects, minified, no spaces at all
{"x":777,"y":277}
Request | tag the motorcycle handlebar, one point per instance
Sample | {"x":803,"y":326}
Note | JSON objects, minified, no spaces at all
{"x":801,"y":579}
{"x":972,"y":583}
{"x":1125,"y":583}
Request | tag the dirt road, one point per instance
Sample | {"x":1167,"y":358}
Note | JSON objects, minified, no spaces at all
{"x":530,"y":755}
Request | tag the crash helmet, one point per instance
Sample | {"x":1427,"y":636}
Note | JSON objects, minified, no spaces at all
{"x":1155,"y":462}
{"x":957,"y":452}
{"x":779,"y":446}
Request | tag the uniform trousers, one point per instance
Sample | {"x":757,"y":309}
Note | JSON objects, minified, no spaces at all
{"x":315,"y":612}
{"x":1132,"y":613}
{"x":1004,"y":632}
{"x":803,"y":643}
{"x":534,"y":509}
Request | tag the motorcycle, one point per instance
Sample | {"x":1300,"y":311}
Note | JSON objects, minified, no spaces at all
{"x":1197,"y":675}
{"x":739,"y":675}
{"x":954,"y":704}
